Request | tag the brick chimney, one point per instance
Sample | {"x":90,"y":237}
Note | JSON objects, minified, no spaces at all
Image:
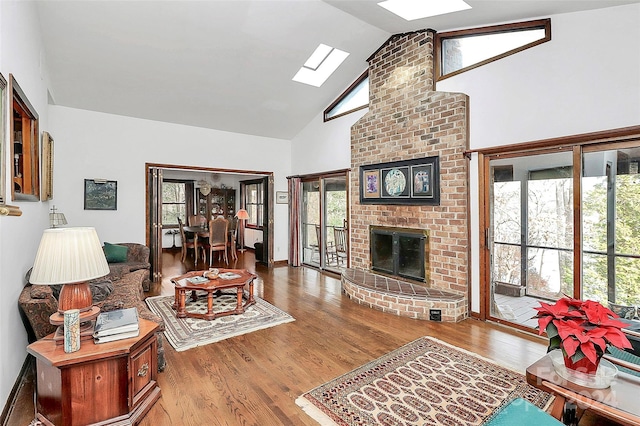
{"x":408,"y":119}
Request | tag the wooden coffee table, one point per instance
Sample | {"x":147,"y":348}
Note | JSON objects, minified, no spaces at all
{"x":213,"y":288}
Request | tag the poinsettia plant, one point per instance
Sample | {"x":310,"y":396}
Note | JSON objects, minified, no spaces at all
{"x":581,"y":328}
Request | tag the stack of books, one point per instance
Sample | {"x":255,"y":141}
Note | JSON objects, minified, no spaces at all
{"x":116,"y":325}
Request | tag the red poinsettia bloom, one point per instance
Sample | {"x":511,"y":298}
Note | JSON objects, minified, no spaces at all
{"x":581,"y":328}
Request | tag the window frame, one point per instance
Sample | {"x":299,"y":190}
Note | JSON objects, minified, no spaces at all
{"x":260,"y":205}
{"x":343,"y":95}
{"x":187,"y":194}
{"x":488,"y":30}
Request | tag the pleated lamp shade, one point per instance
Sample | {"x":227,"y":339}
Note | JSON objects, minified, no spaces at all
{"x":68,"y":256}
{"x":242,"y":214}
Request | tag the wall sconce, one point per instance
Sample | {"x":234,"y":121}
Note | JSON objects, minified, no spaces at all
{"x":56,"y":219}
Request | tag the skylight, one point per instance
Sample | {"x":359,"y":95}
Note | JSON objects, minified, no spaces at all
{"x":417,"y":9}
{"x":320,"y":65}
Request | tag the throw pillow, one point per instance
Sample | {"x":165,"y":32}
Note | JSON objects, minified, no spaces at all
{"x":115,"y":253}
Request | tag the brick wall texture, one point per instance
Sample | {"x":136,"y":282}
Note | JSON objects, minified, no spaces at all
{"x":407,"y":119}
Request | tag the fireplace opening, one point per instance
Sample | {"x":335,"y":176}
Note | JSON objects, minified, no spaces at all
{"x":401,"y":252}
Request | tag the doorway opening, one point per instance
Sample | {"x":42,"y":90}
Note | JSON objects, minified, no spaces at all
{"x":203,"y":184}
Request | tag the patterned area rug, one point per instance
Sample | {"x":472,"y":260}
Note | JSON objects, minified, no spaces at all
{"x":426,"y":382}
{"x":187,"y":333}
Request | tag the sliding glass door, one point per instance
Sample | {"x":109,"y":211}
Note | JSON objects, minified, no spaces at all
{"x":311,"y":247}
{"x":531,"y":237}
{"x":611,"y":228}
{"x":534,"y":201}
{"x":324,"y":222}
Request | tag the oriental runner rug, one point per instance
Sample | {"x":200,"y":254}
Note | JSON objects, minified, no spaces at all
{"x":426,"y":382}
{"x":187,"y":333}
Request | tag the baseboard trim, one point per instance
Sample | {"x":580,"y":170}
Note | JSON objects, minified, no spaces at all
{"x":29,"y":363}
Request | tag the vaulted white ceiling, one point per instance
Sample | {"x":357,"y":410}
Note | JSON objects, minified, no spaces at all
{"x":228,"y":65}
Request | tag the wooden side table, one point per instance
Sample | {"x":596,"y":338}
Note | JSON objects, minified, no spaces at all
{"x":107,"y":383}
{"x":618,"y":402}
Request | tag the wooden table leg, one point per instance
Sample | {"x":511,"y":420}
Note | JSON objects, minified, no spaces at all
{"x":557,"y":409}
{"x":209,"y":315}
{"x":181,"y":311}
{"x":251,"y":300}
{"x":239,"y":292}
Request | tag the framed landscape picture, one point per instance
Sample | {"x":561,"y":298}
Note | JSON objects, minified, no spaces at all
{"x":100,"y":194}
{"x":414,"y":181}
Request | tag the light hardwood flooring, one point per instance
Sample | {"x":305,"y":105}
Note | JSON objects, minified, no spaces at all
{"x":254,"y":379}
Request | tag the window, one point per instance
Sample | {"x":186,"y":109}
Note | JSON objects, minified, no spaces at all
{"x":320,"y":65}
{"x":460,"y":51}
{"x":254,"y":203}
{"x":356,"y":97}
{"x":174,"y":203}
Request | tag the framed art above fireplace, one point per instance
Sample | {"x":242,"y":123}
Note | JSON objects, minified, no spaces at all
{"x":414,"y":181}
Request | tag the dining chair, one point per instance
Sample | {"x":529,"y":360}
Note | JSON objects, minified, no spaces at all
{"x":340,"y":241}
{"x":187,"y":243}
{"x":197,"y":220}
{"x":218,"y":238}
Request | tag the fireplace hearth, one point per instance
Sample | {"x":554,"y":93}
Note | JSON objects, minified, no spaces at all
{"x":400,"y":252}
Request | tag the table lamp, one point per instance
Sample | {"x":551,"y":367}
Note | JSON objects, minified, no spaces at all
{"x":242,"y":215}
{"x":72,"y":257}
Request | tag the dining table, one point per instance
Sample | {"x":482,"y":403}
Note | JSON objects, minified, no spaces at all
{"x":202,"y":232}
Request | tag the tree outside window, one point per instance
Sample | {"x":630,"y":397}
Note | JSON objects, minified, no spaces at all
{"x":174,"y":203}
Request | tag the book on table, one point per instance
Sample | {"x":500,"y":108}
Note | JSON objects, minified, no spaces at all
{"x":117,"y":336}
{"x":116,"y":322}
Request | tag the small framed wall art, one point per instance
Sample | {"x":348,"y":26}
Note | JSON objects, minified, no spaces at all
{"x":414,"y":181}
{"x":46,"y":192}
{"x":100,"y":194}
{"x":282,"y":197}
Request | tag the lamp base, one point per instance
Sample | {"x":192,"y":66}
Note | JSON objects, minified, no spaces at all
{"x":86,"y":333}
{"x":57,"y":318}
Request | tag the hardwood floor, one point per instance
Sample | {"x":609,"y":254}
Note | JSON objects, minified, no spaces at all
{"x":254,"y":379}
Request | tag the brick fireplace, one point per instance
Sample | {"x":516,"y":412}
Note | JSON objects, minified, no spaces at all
{"x":408,"y":120}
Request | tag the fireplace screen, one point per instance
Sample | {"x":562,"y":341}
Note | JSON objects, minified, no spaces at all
{"x":399,"y":251}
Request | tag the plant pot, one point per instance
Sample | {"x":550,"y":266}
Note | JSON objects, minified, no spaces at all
{"x":584,"y":365}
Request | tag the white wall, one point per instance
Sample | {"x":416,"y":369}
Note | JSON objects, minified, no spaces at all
{"x":20,"y":55}
{"x":97,"y":145}
{"x":586,"y":79}
{"x":322,"y":147}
